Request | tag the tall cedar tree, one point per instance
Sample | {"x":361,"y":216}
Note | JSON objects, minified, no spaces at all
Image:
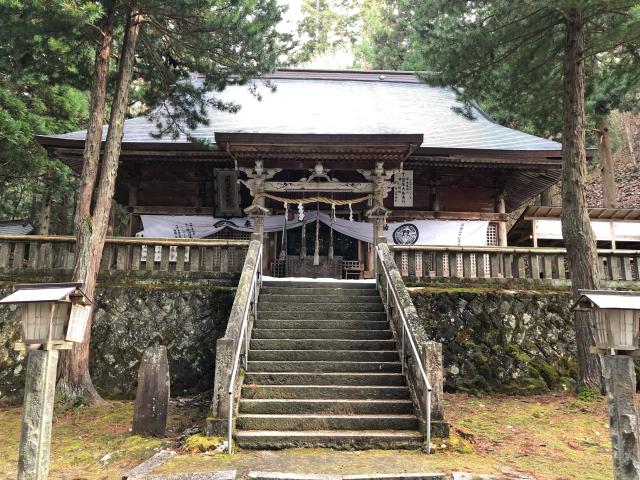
{"x":394,"y":34}
{"x":540,"y":49}
{"x":161,"y":43}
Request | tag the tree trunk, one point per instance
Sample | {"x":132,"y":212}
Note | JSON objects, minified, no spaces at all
{"x":546,"y":197}
{"x":607,"y":163}
{"x":91,"y":154}
{"x":576,"y":227}
{"x":74,"y":380}
{"x":44,"y":217}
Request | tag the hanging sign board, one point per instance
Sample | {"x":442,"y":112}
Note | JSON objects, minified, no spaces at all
{"x":226,"y":193}
{"x":403,"y":189}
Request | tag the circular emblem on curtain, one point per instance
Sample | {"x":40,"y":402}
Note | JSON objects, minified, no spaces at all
{"x":406,"y":234}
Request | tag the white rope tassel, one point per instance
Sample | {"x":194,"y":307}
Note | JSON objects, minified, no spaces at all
{"x":300,"y":212}
{"x":350,"y":213}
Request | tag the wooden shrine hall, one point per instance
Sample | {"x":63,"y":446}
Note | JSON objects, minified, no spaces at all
{"x":319,"y":152}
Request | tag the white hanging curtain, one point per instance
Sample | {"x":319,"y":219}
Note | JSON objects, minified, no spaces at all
{"x":418,"y":232}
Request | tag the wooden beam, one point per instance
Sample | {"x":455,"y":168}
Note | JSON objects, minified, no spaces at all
{"x":353,"y":187}
{"x":435,"y":215}
{"x":172,"y":210}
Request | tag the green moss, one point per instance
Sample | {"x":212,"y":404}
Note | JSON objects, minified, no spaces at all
{"x":587,"y":394}
{"x":201,"y":443}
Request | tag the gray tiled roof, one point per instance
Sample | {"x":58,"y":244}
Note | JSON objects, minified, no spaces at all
{"x":15,"y":227}
{"x":347,"y":106}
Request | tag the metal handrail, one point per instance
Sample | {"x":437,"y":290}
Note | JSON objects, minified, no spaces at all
{"x":243,"y":341}
{"x":406,"y":332}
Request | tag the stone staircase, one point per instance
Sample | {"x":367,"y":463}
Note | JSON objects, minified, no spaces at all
{"x":324,"y":370}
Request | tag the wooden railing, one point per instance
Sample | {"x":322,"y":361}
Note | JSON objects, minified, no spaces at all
{"x":39,"y":252}
{"x":423,"y":262}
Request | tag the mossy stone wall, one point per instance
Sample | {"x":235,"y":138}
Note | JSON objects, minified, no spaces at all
{"x":500,"y":340}
{"x":188,"y":319}
{"x":493,"y":340}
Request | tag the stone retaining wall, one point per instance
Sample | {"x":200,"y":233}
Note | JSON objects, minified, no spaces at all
{"x":493,"y":340}
{"x":186,"y":318}
{"x":501,"y":340}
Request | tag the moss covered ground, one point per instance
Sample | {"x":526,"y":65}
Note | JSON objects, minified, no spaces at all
{"x":92,"y":442}
{"x":544,"y":436}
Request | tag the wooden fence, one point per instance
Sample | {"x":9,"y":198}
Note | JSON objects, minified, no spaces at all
{"x":419,"y":262}
{"x":39,"y":252}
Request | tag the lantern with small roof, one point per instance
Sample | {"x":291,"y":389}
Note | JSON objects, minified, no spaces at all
{"x":616,"y":320}
{"x":54,"y":316}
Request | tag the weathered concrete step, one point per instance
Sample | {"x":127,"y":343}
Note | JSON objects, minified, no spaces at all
{"x":322,"y":366}
{"x":294,"y":314}
{"x":319,"y":333}
{"x":341,"y":439}
{"x":267,"y":306}
{"x":323,"y":324}
{"x":318,"y":291}
{"x":249,"y":421}
{"x":292,"y":299}
{"x":258,"y":475}
{"x":321,"y":344}
{"x":327,"y":378}
{"x":325,"y":405}
{"x":303,"y":284}
{"x":362,"y":392}
{"x":335,"y":355}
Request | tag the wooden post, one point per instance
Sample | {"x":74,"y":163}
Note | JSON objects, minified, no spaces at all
{"x":37,"y":415}
{"x":613,"y":235}
{"x":502,"y":225}
{"x":152,"y":398}
{"x":620,"y":382}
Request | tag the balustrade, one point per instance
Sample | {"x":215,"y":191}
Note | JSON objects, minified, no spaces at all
{"x":418,"y":261}
{"x":40,"y":252}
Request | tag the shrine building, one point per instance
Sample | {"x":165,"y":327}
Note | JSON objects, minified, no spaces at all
{"x":319,"y":152}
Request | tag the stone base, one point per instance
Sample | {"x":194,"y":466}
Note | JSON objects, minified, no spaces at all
{"x":215,"y":427}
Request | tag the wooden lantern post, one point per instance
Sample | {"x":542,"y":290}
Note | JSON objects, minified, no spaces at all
{"x":53,"y":317}
{"x":616,"y":326}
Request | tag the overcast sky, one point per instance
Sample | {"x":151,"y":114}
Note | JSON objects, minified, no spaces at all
{"x":291,"y":16}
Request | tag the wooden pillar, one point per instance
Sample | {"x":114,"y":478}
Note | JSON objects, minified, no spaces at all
{"x":534,"y":233}
{"x":435,"y":196}
{"x":131,"y":204}
{"x":613,"y":235}
{"x":502,"y":225}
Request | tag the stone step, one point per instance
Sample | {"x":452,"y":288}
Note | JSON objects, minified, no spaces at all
{"x":318,"y":291}
{"x":335,"y":355}
{"x":325,"y":405}
{"x":297,"y":422}
{"x":259,"y":475}
{"x":362,"y":392}
{"x":291,"y":299}
{"x":322,"y":366}
{"x":323,"y":324}
{"x":327,"y":378}
{"x":331,"y":285}
{"x":266,"y":306}
{"x":319,"y":316}
{"x":320,"y":344}
{"x":340,"y":439}
{"x":319,"y":333}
